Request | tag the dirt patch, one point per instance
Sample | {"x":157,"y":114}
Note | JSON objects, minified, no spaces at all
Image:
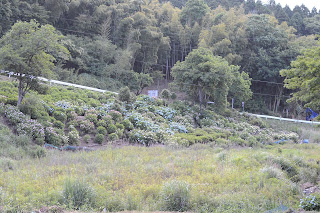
{"x":309,"y":188}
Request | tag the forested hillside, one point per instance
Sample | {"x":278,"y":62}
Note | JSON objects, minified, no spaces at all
{"x":68,"y":149}
{"x":117,"y":43}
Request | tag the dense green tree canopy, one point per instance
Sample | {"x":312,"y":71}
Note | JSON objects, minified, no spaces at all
{"x":30,"y":50}
{"x":203,"y":75}
{"x":312,"y":25}
{"x":110,"y":41}
{"x":193,"y":12}
{"x":304,"y":78}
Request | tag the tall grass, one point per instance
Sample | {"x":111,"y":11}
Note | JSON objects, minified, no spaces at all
{"x":201,"y":179}
{"x":306,"y":131}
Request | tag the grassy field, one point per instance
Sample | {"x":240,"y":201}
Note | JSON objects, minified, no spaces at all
{"x":138,"y":178}
{"x":172,"y":159}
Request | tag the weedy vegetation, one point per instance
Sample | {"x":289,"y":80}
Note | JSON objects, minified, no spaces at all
{"x":175,"y":159}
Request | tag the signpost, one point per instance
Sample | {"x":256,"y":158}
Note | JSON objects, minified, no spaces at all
{"x":153,"y":93}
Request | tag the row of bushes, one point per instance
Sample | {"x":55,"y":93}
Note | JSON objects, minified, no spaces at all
{"x":173,"y":196}
{"x":144,"y":114}
{"x":40,"y":134}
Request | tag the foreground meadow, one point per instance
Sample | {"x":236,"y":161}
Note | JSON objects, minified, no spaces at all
{"x":202,"y":178}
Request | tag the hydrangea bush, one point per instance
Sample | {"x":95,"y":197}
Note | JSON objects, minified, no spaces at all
{"x":23,"y":124}
{"x":86,"y":126}
{"x":311,"y":202}
{"x":166,"y":112}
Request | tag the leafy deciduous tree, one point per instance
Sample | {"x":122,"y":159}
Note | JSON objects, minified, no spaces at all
{"x":202,"y":74}
{"x":304,"y":78}
{"x":30,"y":50}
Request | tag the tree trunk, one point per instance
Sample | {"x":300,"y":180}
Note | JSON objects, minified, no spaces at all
{"x":279,"y":98}
{"x":182,"y":52}
{"x":167,"y":69}
{"x":200,"y":97}
{"x":275,"y":104}
{"x":174,"y":54}
{"x":21,"y":93}
{"x":205,"y":100}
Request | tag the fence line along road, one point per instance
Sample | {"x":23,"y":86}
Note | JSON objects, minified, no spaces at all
{"x":283,"y":119}
{"x":100,"y":90}
{"x":74,"y":85}
{"x":60,"y":82}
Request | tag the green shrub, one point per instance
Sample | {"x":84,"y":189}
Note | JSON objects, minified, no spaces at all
{"x":42,"y":89}
{"x":6,"y":164}
{"x":71,"y":114}
{"x":127,"y":124}
{"x":113,"y":137}
{"x":86,"y":138}
{"x":288,"y":167}
{"x":79,"y":111}
{"x":143,"y":137}
{"x":125,"y":95}
{"x":175,"y":196}
{"x":55,"y":137}
{"x":38,"y":152}
{"x":173,"y":96}
{"x":308,"y":175}
{"x":311,"y":202}
{"x":3,"y":99}
{"x":165,"y":94}
{"x":86,"y":126}
{"x":58,"y":124}
{"x":258,"y":122}
{"x":102,"y":123}
{"x":74,"y":138}
{"x":60,"y":116}
{"x":116,"y":115}
{"x":107,"y":119}
{"x":22,"y":140}
{"x":32,"y":106}
{"x":92,"y":118}
{"x":119,"y":126}
{"x":77,"y":194}
{"x":94,"y":103}
{"x":12,"y":101}
{"x":99,"y":139}
{"x":101,"y":130}
{"x":252,"y":141}
{"x":222,"y":141}
{"x":181,"y":107}
{"x":115,"y":204}
{"x":72,"y":126}
{"x":112,"y":128}
{"x":272,"y":172}
{"x":116,"y":106}
{"x":2,"y":108}
{"x":237,"y":141}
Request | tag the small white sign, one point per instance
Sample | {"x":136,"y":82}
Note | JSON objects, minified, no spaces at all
{"x":153,"y":93}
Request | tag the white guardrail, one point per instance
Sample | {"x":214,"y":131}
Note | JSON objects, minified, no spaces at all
{"x":284,"y":119}
{"x":61,"y":83}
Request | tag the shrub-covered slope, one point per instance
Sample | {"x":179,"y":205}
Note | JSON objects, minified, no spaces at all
{"x":206,"y":162}
{"x":65,"y":115}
